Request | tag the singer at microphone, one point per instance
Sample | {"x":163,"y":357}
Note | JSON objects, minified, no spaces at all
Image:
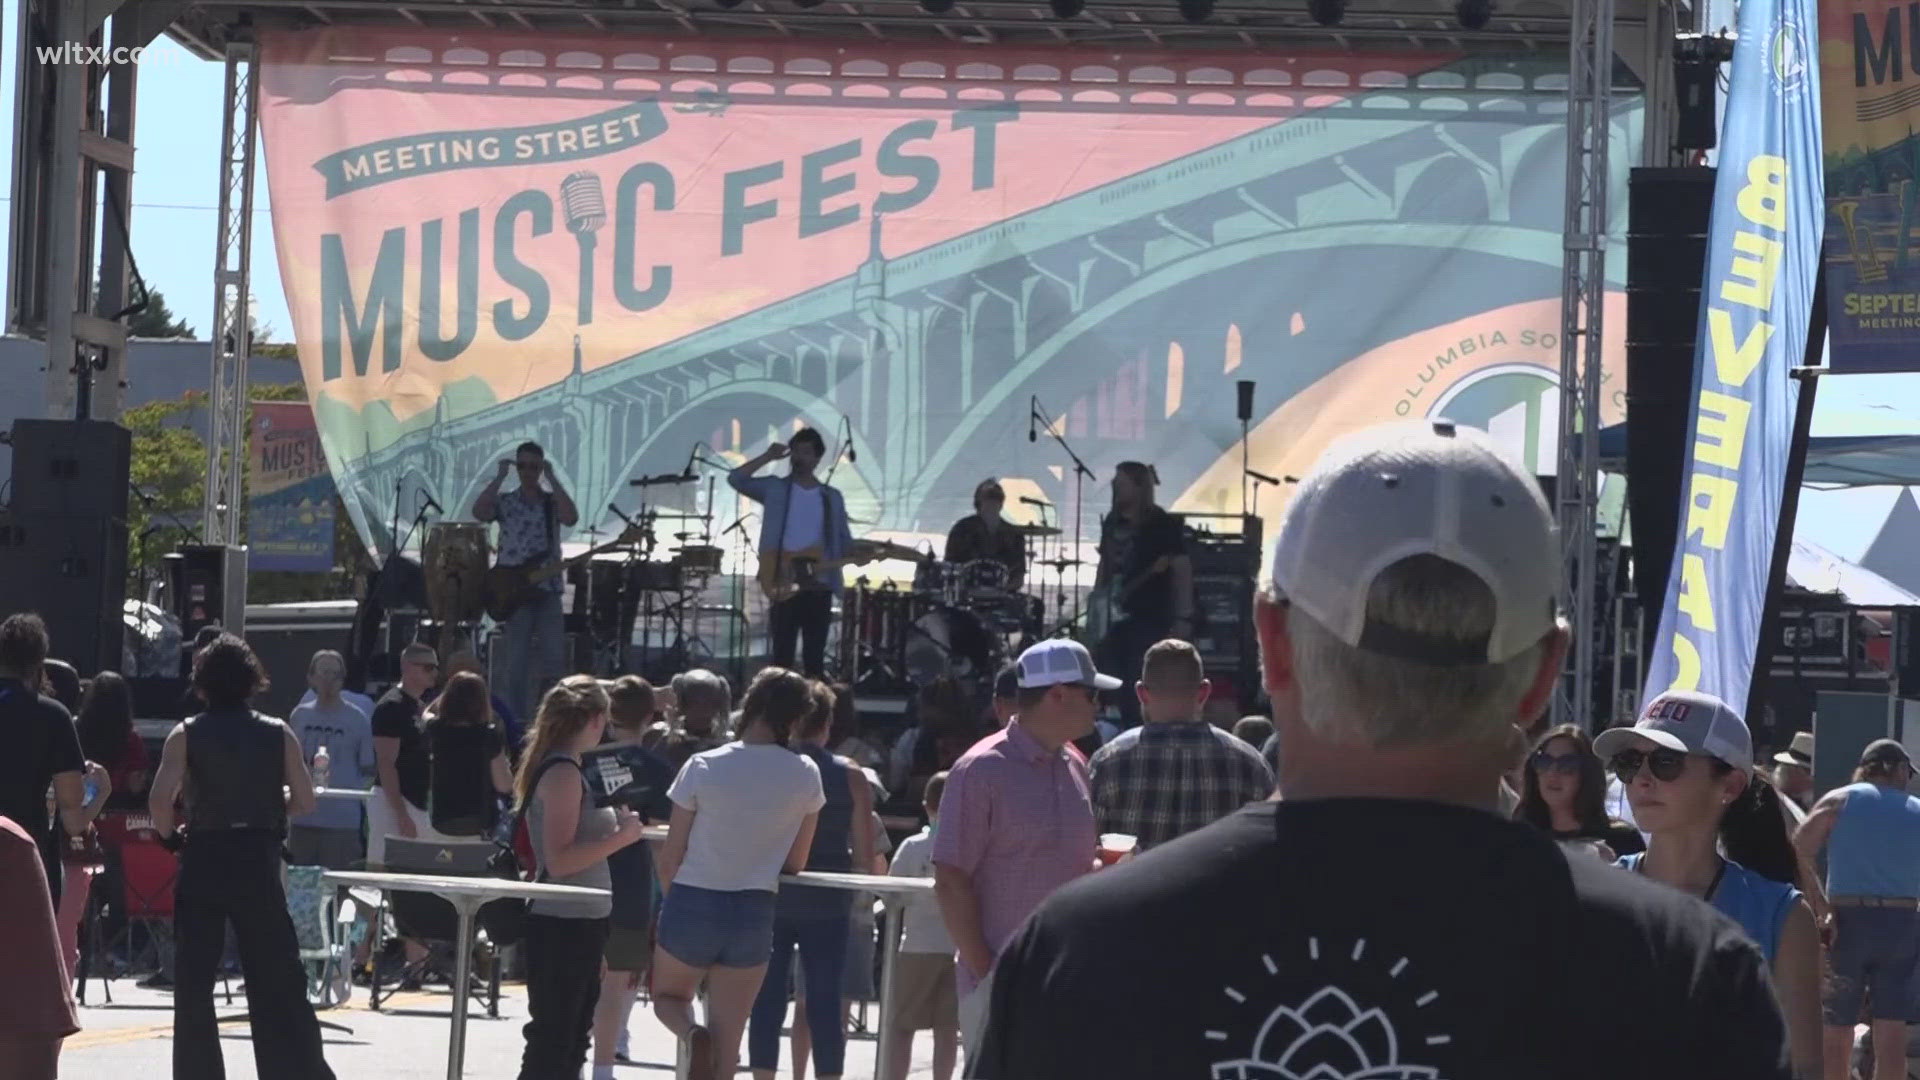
{"x":984,"y":534}
{"x":531,"y":518}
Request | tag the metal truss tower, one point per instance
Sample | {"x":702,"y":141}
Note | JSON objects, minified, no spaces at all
{"x":232,"y":305}
{"x":1582,"y":296}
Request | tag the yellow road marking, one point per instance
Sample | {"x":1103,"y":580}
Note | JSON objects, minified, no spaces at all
{"x":87,"y":1040}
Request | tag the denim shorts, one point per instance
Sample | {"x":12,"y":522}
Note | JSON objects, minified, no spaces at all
{"x":702,"y":928}
{"x":1875,"y":950}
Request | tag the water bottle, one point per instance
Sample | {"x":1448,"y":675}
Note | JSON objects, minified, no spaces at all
{"x":322,"y":766}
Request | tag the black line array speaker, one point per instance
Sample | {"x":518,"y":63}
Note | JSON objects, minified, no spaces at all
{"x":209,"y":585}
{"x":72,"y":570}
{"x":71,"y":467}
{"x":1668,"y":213}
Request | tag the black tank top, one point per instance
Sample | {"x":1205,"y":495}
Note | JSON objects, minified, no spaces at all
{"x":236,"y":765}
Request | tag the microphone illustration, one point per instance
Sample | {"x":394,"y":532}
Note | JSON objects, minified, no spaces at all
{"x":584,"y":204}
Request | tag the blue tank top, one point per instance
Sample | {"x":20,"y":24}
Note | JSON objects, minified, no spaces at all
{"x":832,"y":843}
{"x":1759,"y":904}
{"x":1875,"y":846}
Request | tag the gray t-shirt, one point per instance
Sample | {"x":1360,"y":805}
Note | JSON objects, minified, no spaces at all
{"x":347,"y":734}
{"x":595,"y":824}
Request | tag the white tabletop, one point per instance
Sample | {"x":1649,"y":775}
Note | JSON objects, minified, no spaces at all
{"x":491,"y":888}
{"x":876,"y":883}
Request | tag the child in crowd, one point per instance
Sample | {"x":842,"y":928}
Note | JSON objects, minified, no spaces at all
{"x":923,"y":974}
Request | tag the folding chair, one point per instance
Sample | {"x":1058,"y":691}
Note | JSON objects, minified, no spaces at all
{"x":325,"y":928}
{"x":148,"y":873}
{"x":430,"y":920}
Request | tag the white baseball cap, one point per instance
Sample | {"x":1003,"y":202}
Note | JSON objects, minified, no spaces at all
{"x":1061,"y":660}
{"x":1690,"y":722}
{"x":1429,"y":487}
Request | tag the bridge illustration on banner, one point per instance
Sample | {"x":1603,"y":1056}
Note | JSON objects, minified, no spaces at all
{"x":932,"y":353}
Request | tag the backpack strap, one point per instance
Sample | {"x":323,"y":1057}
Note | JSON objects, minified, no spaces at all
{"x":520,"y":815}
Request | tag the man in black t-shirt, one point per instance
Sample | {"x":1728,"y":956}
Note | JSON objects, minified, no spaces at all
{"x":40,"y":744}
{"x":1378,"y":920}
{"x":1144,"y":583}
{"x":402,"y":769}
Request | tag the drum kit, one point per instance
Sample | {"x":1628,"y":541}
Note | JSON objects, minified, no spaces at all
{"x":960,"y":619}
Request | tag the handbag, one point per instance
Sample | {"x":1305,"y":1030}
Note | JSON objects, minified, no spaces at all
{"x":505,"y":919}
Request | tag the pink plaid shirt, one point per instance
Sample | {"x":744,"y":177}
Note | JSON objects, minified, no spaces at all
{"x":1018,"y":821}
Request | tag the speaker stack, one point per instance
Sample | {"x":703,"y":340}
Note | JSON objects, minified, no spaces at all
{"x":1668,"y":214}
{"x":63,"y":536}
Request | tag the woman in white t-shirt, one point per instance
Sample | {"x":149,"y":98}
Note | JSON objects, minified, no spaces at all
{"x":743,"y":814}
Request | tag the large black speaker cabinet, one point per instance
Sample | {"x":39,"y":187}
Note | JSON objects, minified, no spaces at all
{"x":209,"y":585}
{"x":72,"y":570}
{"x":1668,"y":213}
{"x":71,"y":467}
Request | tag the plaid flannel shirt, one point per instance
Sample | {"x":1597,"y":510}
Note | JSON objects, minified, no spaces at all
{"x":1163,"y":780}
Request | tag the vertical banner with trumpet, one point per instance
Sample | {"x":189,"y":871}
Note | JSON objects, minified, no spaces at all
{"x":1763,"y":252}
{"x":1871,"y":91}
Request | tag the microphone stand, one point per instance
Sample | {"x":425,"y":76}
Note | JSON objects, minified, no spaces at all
{"x":739,"y":591}
{"x":1080,"y":474}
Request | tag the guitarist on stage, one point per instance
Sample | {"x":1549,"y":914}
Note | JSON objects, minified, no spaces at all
{"x":801,"y":514}
{"x":1146,"y":577}
{"x":533,"y":645}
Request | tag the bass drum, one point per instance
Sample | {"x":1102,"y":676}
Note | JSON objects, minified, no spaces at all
{"x":950,"y":641}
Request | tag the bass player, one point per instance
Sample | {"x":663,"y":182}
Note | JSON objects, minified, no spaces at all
{"x":802,"y":514}
{"x":533,"y":643}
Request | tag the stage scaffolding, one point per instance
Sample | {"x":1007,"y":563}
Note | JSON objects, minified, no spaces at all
{"x":74,"y":134}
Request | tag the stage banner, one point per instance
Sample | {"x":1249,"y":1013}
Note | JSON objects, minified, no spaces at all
{"x":654,"y":256}
{"x":1870,"y":88}
{"x":289,"y":490}
{"x":1762,"y":257}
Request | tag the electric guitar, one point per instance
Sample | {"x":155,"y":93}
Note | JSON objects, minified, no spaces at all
{"x":1105,"y":604}
{"x":784,"y":573}
{"x":508,"y":587}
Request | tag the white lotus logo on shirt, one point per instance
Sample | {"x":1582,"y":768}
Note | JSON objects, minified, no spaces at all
{"x":1329,"y":1037}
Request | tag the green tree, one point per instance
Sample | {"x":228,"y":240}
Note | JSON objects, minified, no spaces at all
{"x":156,"y":320}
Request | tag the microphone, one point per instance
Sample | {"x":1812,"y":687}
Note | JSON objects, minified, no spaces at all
{"x":583,"y":202}
{"x":693,"y":455}
{"x":1033,"y":418}
{"x":1031,"y":501}
{"x":430,"y":503}
{"x":852,"y":454}
{"x":1264,"y":478}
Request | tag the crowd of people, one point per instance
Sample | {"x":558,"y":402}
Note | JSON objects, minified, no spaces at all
{"x":1400,"y":872}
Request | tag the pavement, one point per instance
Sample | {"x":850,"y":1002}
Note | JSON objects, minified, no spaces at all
{"x":132,"y":1039}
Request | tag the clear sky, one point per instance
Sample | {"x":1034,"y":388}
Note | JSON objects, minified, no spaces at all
{"x":175,"y":192}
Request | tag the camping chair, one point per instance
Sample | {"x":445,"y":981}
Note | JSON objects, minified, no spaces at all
{"x":148,"y":873}
{"x":325,"y":928}
{"x":430,"y":920}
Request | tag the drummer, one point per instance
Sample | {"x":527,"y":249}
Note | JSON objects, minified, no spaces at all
{"x":984,"y":534}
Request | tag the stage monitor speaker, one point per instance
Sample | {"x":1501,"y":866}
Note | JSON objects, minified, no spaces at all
{"x":1669,"y":212}
{"x":71,"y":569}
{"x":209,"y":585}
{"x":71,"y":467}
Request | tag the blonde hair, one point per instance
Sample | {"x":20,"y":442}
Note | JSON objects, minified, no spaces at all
{"x":566,"y":711}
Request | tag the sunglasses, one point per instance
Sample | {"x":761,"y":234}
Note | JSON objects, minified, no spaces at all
{"x":1565,"y":764}
{"x":1666,"y":765}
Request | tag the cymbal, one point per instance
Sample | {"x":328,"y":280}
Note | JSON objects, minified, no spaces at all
{"x":1060,"y":564}
{"x":1036,"y":530}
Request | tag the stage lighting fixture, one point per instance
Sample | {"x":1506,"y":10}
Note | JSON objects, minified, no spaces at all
{"x":1473,"y":14}
{"x":1196,"y":10}
{"x":1327,"y":12}
{"x":1067,"y":9}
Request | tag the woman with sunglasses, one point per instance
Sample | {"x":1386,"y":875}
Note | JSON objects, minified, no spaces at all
{"x":1564,"y":794}
{"x":1716,"y":832}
